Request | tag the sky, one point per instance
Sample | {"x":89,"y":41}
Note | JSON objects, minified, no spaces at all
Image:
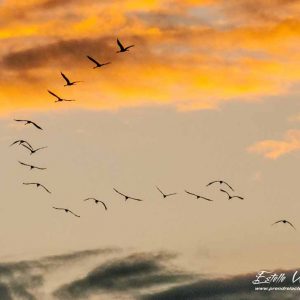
{"x":208,"y":92}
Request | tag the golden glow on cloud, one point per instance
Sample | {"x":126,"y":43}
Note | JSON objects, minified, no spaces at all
{"x":273,"y":149}
{"x":187,"y":54}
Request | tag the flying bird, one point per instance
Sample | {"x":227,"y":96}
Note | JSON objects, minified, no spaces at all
{"x":284,"y":222}
{"x":32,"y":151}
{"x":31,"y":166}
{"x":127,"y":197}
{"x":66,"y":210}
{"x":198,"y":196}
{"x":30,"y":123}
{"x":165,"y":195}
{"x":230,"y":197}
{"x":96,"y":201}
{"x":59,"y":99}
{"x":69,"y":83}
{"x":21,"y":142}
{"x":98,"y":65}
{"x":220,"y":182}
{"x":37,"y":185}
{"x":122,"y":48}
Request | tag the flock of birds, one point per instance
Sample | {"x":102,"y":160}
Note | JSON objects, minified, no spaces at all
{"x":32,"y":150}
{"x":97,"y":65}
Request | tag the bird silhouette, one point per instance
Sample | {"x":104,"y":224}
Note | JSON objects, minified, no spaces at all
{"x":66,"y":210}
{"x":231,"y":197}
{"x":284,"y":222}
{"x":59,"y":99}
{"x":69,"y":83}
{"x":98,"y":65}
{"x":37,"y":185}
{"x":127,"y":197}
{"x":220,"y":182}
{"x":165,"y":195}
{"x":28,"y":122}
{"x":96,"y":201}
{"x":122,"y":48}
{"x":21,"y":142}
{"x":31,"y":166}
{"x":32,"y":151}
{"x":198,"y":196}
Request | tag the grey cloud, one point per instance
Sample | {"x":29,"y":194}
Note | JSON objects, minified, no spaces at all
{"x":234,"y":287}
{"x":58,"y":53}
{"x":4,"y":292}
{"x":66,"y":53}
{"x":18,"y":280}
{"x":127,"y":275}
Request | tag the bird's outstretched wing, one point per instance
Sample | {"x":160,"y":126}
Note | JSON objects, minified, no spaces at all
{"x":120,"y":45}
{"x":16,"y":142}
{"x":228,"y":185}
{"x":54,"y":94}
{"x":41,"y":148}
{"x":210,"y":183}
{"x":223,"y":191}
{"x":129,"y":47}
{"x":45,"y":188}
{"x":25,"y":146}
{"x":205,"y":198}
{"x":39,"y":168}
{"x":191,"y":193}
{"x":119,"y":192}
{"x":89,"y":199}
{"x":93,"y":60}
{"x":65,"y":77}
{"x":291,"y":224}
{"x":103,"y":204}
{"x":172,"y":194}
{"x":36,"y":125}
{"x":73,"y":214}
{"x":59,"y":208}
{"x":160,"y":190}
{"x":137,"y":199}
{"x":239,"y":197}
{"x":24,"y":164}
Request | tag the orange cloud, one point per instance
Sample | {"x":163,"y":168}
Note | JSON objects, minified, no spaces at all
{"x":181,"y":58}
{"x":273,"y":149}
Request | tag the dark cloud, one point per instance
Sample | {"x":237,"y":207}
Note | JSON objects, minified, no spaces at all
{"x":4,"y":292}
{"x":58,"y":53}
{"x":75,"y":256}
{"x":127,"y":275}
{"x":19,"y":280}
{"x":234,"y":288}
{"x":65,"y":53}
{"x":143,"y":276}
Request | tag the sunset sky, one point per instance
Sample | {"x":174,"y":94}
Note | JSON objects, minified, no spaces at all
{"x":209,"y":91}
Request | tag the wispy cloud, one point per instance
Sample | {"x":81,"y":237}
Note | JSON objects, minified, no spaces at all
{"x":128,"y":275}
{"x":229,"y":287}
{"x":273,"y":149}
{"x":22,"y":279}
